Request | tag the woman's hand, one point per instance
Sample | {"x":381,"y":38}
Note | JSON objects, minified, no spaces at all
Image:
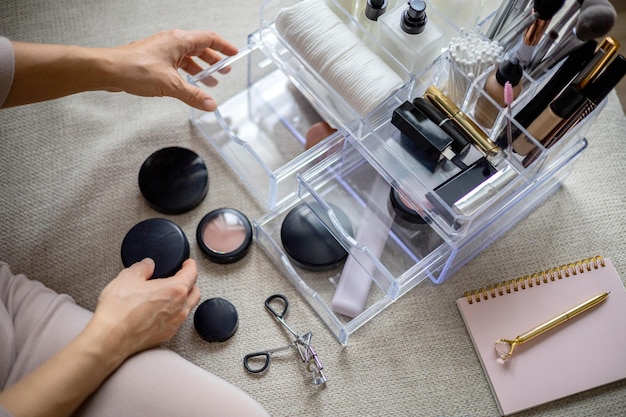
{"x":149,"y":67}
{"x":141,"y":313}
{"x":133,"y":313}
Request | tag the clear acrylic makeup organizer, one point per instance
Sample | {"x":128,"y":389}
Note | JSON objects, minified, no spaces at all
{"x":269,"y":99}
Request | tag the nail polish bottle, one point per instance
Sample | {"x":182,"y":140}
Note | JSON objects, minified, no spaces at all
{"x":485,"y":113}
{"x":464,"y":13}
{"x":352,"y":6}
{"x":375,"y":8}
{"x":409,"y":36}
{"x":369,"y":14}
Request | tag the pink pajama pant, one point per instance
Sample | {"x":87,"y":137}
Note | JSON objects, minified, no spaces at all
{"x":36,"y":322}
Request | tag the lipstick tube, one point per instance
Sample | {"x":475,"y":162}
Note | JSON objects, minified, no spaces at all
{"x":467,"y":125}
{"x":461,"y":143}
{"x":434,"y":143}
{"x":479,"y":196}
{"x":609,"y":48}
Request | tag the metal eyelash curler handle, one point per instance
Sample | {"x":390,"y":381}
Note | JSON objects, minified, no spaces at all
{"x":265,"y":356}
{"x":280,"y":316}
{"x":283,"y":299}
{"x":302,"y":344}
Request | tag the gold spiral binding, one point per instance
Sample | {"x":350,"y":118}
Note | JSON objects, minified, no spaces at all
{"x":536,"y":279}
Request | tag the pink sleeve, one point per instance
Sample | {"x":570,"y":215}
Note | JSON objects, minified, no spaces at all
{"x":7,"y":69}
{"x":4,"y":412}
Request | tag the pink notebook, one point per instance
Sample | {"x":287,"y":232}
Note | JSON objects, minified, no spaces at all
{"x":584,"y":352}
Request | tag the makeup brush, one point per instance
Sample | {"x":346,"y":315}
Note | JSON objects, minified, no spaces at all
{"x":535,"y":31}
{"x":542,"y":49}
{"x":532,"y":27}
{"x":566,"y":16}
{"x":507,"y":9}
{"x":555,"y":31}
{"x":595,"y":19}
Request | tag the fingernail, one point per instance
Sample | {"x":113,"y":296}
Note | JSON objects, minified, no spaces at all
{"x":209,"y":104}
{"x":148,"y":261}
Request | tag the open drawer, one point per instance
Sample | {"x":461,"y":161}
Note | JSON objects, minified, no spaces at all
{"x":386,"y":253}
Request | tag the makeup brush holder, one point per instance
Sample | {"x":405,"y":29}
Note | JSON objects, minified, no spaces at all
{"x":368,"y":170}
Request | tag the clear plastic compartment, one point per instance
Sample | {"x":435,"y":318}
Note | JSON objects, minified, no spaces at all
{"x":336,"y":108}
{"x":387,"y":151}
{"x":261,"y":123}
{"x":545,"y":153}
{"x":345,"y":184}
{"x":271,"y":98}
{"x":410,"y":251}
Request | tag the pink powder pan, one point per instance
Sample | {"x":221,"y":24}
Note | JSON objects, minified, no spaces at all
{"x":224,"y":235}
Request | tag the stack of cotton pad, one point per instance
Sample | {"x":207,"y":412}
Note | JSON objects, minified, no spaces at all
{"x":353,"y":70}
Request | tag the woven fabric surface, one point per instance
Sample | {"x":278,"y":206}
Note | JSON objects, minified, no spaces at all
{"x":68,"y":175}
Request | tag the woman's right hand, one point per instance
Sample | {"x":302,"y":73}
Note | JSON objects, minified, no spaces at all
{"x":142,"y":313}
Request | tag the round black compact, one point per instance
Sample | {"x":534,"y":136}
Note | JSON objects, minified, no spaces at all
{"x":161,"y":240}
{"x":402,"y":210}
{"x":308,"y":242}
{"x":174,"y":180}
{"x":224,"y":235}
{"x":216,"y":320}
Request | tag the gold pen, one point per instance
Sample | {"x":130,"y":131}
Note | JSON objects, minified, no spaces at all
{"x":505,"y":347}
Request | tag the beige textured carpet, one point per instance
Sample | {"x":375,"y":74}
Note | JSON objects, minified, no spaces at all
{"x":68,"y":174}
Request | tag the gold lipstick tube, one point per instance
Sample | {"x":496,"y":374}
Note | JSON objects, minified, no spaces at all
{"x":467,"y":125}
{"x":610,"y":47}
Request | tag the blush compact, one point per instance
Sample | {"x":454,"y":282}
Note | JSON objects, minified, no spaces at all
{"x":403,"y":210}
{"x":224,"y":235}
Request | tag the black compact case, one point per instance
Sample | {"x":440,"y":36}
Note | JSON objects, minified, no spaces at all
{"x":433,"y":145}
{"x":162,"y":240}
{"x":461,"y":184}
{"x":308,"y":242}
{"x":174,"y":180}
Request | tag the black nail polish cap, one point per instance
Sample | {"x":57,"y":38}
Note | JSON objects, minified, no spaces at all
{"x":375,"y":8}
{"x":414,"y":18}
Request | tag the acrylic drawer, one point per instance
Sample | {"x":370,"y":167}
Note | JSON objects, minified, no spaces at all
{"x":401,"y":255}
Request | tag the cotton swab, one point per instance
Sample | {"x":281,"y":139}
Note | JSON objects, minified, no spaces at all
{"x":470,"y":55}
